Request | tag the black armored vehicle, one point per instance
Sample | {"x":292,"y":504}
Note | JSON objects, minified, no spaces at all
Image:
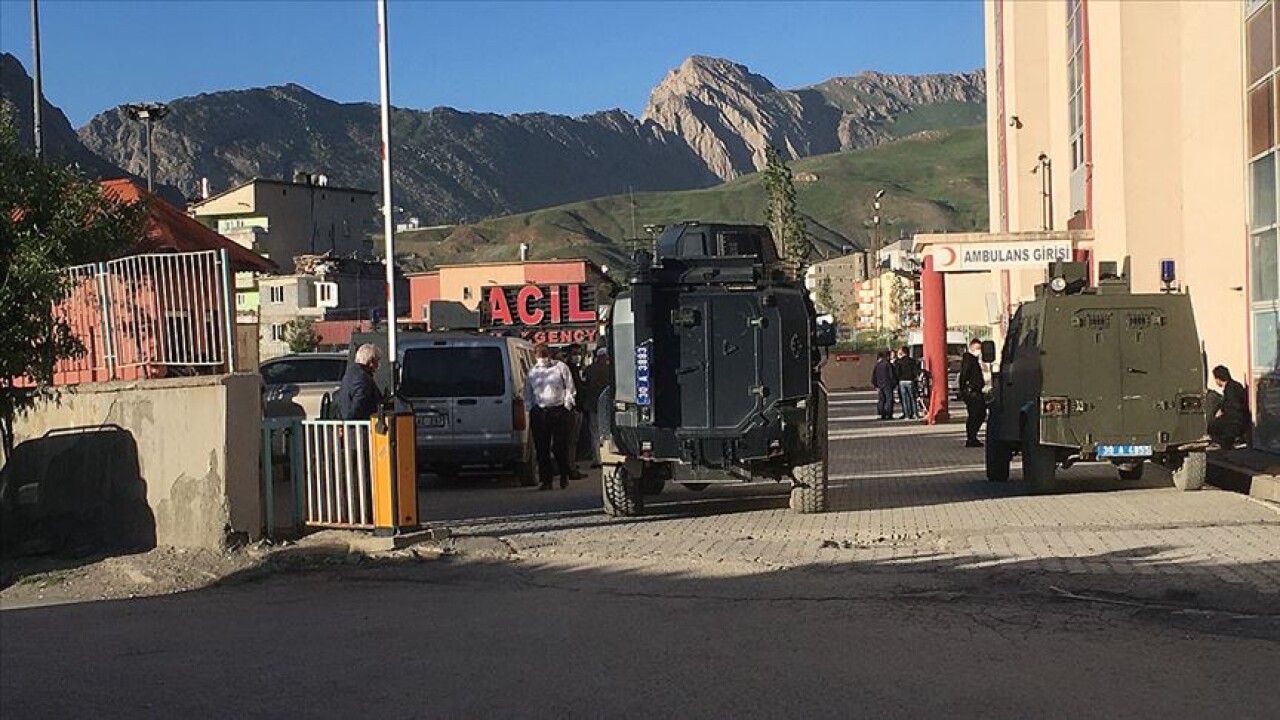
{"x":1099,"y":374}
{"x":715,"y":353}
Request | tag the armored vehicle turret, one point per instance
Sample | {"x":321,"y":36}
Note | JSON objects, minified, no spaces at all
{"x":715,"y":356}
{"x":1099,"y":374}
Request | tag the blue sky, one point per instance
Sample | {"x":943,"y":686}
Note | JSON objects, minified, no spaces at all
{"x":562,"y":57}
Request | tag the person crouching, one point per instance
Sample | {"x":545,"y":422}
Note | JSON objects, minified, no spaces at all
{"x":549,"y":395}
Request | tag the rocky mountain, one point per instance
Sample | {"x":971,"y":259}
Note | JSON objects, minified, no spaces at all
{"x":707,"y":121}
{"x":448,"y":165}
{"x":729,"y":115}
{"x":60,"y":140}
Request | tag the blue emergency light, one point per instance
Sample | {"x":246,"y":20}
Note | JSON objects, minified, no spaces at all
{"x":1168,"y":274}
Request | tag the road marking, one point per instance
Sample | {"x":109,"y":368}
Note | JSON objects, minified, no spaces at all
{"x":909,"y":473}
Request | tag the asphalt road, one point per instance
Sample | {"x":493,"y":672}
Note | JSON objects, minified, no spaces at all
{"x":599,"y":637}
{"x":462,"y":640}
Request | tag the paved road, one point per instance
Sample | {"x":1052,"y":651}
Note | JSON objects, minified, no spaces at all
{"x":927,"y":592}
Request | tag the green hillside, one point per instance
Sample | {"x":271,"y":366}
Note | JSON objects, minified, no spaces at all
{"x":933,"y":182}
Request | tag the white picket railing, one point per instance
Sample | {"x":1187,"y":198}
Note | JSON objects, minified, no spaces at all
{"x":338,"y":473}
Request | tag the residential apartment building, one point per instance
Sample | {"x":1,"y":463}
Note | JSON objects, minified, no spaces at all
{"x":322,"y":289}
{"x":837,"y":278}
{"x":282,"y":219}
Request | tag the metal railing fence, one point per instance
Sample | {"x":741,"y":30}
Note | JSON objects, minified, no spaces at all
{"x":338,"y":473}
{"x":150,"y":316}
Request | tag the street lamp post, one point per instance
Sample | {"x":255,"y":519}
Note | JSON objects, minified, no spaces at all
{"x":36,"y":80}
{"x":148,"y":113}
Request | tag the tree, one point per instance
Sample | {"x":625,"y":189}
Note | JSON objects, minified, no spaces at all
{"x":301,"y":335}
{"x":781,"y":215}
{"x":825,"y":300}
{"x":51,"y":218}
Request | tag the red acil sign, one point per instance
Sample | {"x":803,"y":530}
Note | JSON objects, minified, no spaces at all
{"x":501,"y":310}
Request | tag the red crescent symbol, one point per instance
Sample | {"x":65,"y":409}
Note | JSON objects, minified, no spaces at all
{"x":951,"y":253}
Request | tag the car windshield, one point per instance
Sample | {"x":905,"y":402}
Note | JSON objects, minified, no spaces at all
{"x":293,"y":371}
{"x":453,"y":372}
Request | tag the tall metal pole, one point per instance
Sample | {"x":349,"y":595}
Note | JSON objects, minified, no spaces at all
{"x":36,"y":80}
{"x":388,"y":226}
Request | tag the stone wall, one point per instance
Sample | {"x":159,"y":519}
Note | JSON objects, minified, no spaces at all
{"x":170,"y":462}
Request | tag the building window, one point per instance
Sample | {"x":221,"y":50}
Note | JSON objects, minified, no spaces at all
{"x":275,"y":294}
{"x":277,"y":332}
{"x":466,"y":293}
{"x":1076,"y":105}
{"x":326,"y":294}
{"x":1261,"y":104}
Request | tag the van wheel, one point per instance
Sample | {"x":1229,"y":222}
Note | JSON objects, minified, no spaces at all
{"x":1132,"y":473}
{"x":1039,"y":465}
{"x":999,"y":458}
{"x":622,"y":495}
{"x":1190,"y":473}
{"x":527,"y":472}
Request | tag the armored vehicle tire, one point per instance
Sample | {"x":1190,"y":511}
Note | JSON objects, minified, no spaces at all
{"x":1133,"y":473}
{"x":1190,"y":473}
{"x":1039,"y":466}
{"x":622,"y":495}
{"x":809,"y":485}
{"x":999,"y":458}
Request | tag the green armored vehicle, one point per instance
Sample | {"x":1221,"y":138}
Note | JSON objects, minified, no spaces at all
{"x":1099,"y":374}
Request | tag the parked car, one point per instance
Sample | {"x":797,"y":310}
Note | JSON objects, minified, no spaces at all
{"x":297,"y":385}
{"x":466,"y":391}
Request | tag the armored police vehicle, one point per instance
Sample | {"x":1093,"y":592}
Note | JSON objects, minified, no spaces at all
{"x":1099,"y":374}
{"x":715,"y":352}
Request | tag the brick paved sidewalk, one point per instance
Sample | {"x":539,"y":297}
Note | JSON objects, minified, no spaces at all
{"x":910,"y":498}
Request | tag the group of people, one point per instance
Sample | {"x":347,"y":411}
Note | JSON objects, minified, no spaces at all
{"x":898,"y":376}
{"x":562,"y":393}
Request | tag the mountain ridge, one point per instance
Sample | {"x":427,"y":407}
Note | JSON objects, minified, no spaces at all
{"x":707,"y":121}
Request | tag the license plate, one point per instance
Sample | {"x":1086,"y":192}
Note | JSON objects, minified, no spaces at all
{"x":430,"y":421}
{"x":1124,"y":451}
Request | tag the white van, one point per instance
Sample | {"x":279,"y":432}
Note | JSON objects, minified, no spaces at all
{"x":467,"y":395}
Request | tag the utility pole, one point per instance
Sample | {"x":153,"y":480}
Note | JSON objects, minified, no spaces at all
{"x":149,"y":114}
{"x":388,"y":225}
{"x":36,"y":81}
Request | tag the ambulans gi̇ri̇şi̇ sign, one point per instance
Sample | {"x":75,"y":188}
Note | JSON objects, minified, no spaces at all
{"x":969,"y":257}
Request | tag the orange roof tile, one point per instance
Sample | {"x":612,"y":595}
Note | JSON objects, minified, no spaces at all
{"x":170,"y":229}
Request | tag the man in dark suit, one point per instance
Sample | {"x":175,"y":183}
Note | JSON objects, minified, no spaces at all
{"x":885,"y":381}
{"x":359,"y":396}
{"x":1231,"y":421}
{"x":972,"y":384}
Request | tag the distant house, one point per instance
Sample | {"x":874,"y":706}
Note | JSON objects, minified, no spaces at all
{"x":168,"y":229}
{"x":283,"y":219}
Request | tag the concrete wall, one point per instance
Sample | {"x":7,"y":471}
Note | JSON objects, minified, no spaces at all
{"x":194,"y":444}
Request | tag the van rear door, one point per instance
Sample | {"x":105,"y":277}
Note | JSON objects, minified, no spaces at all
{"x":460,"y":392}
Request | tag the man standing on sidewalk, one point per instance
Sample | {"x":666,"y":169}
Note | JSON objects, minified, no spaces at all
{"x":885,"y":381}
{"x":972,"y":387}
{"x":908,"y":370}
{"x":549,"y":395}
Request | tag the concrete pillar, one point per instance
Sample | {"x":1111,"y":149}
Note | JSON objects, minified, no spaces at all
{"x":933,"y":290}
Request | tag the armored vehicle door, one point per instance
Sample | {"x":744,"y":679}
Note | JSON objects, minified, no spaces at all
{"x":719,"y":339}
{"x":1119,"y":371}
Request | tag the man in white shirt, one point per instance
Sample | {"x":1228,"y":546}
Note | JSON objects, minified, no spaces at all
{"x":549,"y":395}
